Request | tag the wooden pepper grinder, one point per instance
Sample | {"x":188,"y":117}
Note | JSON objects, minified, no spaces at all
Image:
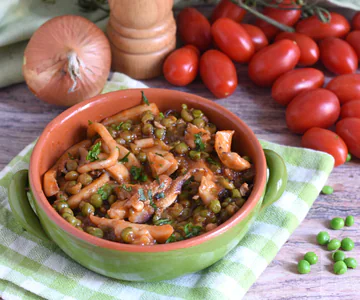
{"x":141,"y":33}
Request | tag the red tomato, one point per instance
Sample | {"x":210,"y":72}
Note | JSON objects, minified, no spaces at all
{"x":233,"y":40}
{"x":327,"y":141}
{"x":194,"y":28}
{"x":285,"y":16}
{"x":317,"y":30}
{"x":292,"y":83}
{"x":338,"y":56}
{"x":309,"y":50}
{"x":349,"y":130}
{"x":356,"y":21}
{"x":227,"y":9}
{"x":257,"y":36}
{"x":218,"y":73}
{"x":181,"y":66}
{"x":353,"y":39}
{"x":351,"y":110}
{"x":272,"y":61}
{"x":316,"y":108}
{"x":192,"y":47}
{"x":346,"y":87}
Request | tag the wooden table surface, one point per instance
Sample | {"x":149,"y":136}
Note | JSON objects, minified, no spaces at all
{"x":23,"y":117}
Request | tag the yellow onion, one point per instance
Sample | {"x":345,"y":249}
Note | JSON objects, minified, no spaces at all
{"x":67,"y":60}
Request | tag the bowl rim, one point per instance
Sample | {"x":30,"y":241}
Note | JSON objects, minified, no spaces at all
{"x":45,"y":206}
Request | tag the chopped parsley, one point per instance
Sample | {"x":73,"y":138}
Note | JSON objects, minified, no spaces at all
{"x":104,"y":195}
{"x":126,"y":188}
{"x":89,"y":122}
{"x":125,"y":158}
{"x":152,"y":204}
{"x":161,"y":115}
{"x":159,"y":154}
{"x":171,"y":239}
{"x":212,"y":162}
{"x":118,"y":127}
{"x":157,"y":179}
{"x":141,"y":195}
{"x":71,"y":156}
{"x":198,"y":142}
{"x":144,"y":99}
{"x":94,"y":152}
{"x":159,"y":195}
{"x":190,"y":230}
{"x":138,"y":174}
{"x":162,"y":222}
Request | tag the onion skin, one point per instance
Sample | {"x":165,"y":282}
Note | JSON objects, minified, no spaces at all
{"x":67,"y":60}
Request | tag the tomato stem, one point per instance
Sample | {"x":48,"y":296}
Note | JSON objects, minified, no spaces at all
{"x":259,"y":15}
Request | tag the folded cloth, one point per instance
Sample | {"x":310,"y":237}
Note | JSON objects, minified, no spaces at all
{"x":31,"y":268}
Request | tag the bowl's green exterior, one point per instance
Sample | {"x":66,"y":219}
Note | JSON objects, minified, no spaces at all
{"x":146,"y":266}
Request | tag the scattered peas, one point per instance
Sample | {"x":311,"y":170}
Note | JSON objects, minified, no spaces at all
{"x":349,"y":221}
{"x":340,"y":268}
{"x":303,"y":267}
{"x":334,"y":244}
{"x":323,"y":238}
{"x":348,"y":157}
{"x":87,"y":209}
{"x":337,"y":223}
{"x":94,"y":231}
{"x":350,"y":262}
{"x":338,"y":255}
{"x":215,"y":206}
{"x":311,"y":258}
{"x":347,"y":244}
{"x":96,"y":200}
{"x":327,"y":190}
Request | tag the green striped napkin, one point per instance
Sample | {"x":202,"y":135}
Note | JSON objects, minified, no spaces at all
{"x":31,"y":268}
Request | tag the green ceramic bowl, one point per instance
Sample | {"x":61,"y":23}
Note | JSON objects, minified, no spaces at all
{"x":133,"y":262}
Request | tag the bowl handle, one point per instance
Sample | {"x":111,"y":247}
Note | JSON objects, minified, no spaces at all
{"x":20,"y":206}
{"x":277,"y":179}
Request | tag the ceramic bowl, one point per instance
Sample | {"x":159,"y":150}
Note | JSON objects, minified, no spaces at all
{"x":134,"y":262}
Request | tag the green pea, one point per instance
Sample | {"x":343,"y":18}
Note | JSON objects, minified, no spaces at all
{"x":71,"y":165}
{"x":87,"y":209}
{"x":349,"y":221}
{"x":186,"y":115}
{"x":337,"y":223}
{"x":198,"y":122}
{"x":72,"y":175}
{"x":334,"y":244}
{"x":195,"y":155}
{"x":327,"y":190}
{"x":73,"y":221}
{"x":338,"y":255}
{"x":60,"y":205}
{"x":215,"y":206}
{"x":340,"y":268}
{"x":226,"y":202}
{"x":304,"y":267}
{"x":347,"y":244}
{"x":204,"y":213}
{"x":94,"y":231}
{"x":184,"y":106}
{"x":169,"y":121}
{"x":127,"y":135}
{"x":126,"y":125}
{"x":107,"y":189}
{"x":211,"y":128}
{"x":197,"y":113}
{"x":142,"y":156}
{"x":147,"y":129}
{"x":235,"y":193}
{"x":226,"y":183}
{"x":239,"y":201}
{"x":66,"y":210}
{"x":111,"y":199}
{"x":350,"y":262}
{"x":348,"y":157}
{"x":311,"y":258}
{"x":323,"y":238}
{"x":66,"y":214}
{"x":147,"y":116}
{"x":96,"y":200}
{"x":85,"y":179}
{"x":112,"y":132}
{"x":127,"y":235}
{"x":181,"y":148}
{"x":160,"y":133}
{"x":120,"y":141}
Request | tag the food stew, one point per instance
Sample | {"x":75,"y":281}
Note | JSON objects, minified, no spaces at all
{"x":147,"y":177}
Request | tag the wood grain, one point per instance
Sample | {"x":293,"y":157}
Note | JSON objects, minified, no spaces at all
{"x":23,"y":118}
